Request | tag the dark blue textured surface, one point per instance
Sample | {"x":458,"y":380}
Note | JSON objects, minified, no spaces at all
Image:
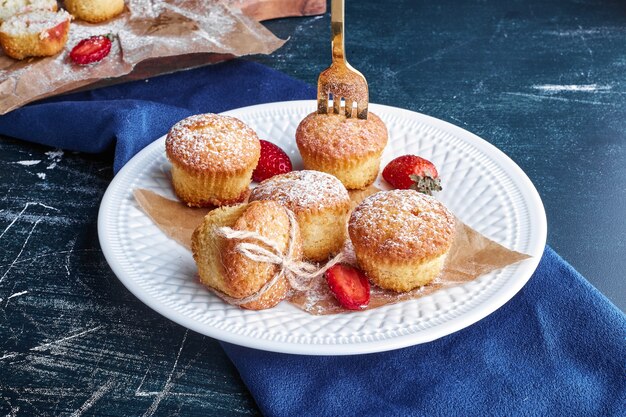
{"x":543,"y":80}
{"x":557,"y":348}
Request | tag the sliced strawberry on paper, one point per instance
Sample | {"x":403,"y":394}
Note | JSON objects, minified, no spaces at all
{"x":273,"y":161}
{"x":349,"y":285}
{"x":414,"y":172}
{"x":92,"y":49}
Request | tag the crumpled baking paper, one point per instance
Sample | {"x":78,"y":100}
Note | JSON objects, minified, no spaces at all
{"x":470,"y":256}
{"x":151,"y":37}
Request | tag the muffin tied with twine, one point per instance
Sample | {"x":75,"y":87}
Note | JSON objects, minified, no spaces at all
{"x":250,"y":255}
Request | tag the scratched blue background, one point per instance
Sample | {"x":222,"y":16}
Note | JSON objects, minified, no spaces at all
{"x":542,"y":80}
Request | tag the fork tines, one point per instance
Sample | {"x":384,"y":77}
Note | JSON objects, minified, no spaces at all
{"x":342,"y":83}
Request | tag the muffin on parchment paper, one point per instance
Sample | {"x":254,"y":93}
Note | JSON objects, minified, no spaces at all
{"x":401,"y":238}
{"x":230,"y":273}
{"x":94,"y":11}
{"x":320,"y":203}
{"x":35,"y":34}
{"x":212,"y":158}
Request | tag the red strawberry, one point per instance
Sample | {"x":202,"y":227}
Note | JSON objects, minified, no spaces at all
{"x":92,"y":49}
{"x":273,"y":161}
{"x":411,"y":171}
{"x":350,"y":286}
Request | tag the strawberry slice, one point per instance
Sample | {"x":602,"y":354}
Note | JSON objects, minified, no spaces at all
{"x":414,"y":172}
{"x":92,"y":49}
{"x":349,"y":285}
{"x":273,"y":161}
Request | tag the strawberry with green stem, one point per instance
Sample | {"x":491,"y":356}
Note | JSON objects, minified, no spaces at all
{"x":412,"y":172}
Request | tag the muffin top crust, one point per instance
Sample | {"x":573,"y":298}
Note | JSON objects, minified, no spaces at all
{"x":211,"y":142}
{"x":302,"y":191}
{"x":402,"y":224}
{"x":334,"y":136}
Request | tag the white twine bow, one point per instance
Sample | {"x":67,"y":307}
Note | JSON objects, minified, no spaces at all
{"x":298,"y":273}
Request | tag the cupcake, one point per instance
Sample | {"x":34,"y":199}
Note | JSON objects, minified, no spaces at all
{"x":348,"y":148}
{"x":401,"y":238}
{"x":94,"y":11}
{"x":35,"y":34}
{"x":234,"y":276}
{"x":212,"y":159}
{"x":320,"y":203}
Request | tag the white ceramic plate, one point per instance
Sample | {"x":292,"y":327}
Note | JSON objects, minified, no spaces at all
{"x":481,"y":185}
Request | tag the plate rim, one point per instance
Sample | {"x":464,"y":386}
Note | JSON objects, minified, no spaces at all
{"x":448,"y":327}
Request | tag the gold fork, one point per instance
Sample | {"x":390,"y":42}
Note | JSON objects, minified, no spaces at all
{"x":341,"y":80}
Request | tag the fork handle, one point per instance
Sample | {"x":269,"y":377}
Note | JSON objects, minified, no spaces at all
{"x":337,"y":27}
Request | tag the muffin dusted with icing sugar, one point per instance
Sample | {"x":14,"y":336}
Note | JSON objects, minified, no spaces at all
{"x":212,"y":157}
{"x":320,"y":203}
{"x":235,"y":277}
{"x":35,"y":34}
{"x":348,"y":148}
{"x":94,"y":11}
{"x":401,"y":238}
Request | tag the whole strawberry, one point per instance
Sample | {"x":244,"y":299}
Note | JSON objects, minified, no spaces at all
{"x":273,"y":161}
{"x":414,"y":172}
{"x":349,"y":285}
{"x":92,"y":49}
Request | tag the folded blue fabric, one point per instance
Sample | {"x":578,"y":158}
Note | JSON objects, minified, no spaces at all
{"x":557,"y":348}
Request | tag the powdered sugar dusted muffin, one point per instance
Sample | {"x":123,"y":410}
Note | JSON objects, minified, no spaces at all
{"x":35,"y":33}
{"x":348,"y":148}
{"x":401,"y":238}
{"x":212,"y":157}
{"x":9,"y":8}
{"x":234,"y":276}
{"x":94,"y":11}
{"x":320,"y":203}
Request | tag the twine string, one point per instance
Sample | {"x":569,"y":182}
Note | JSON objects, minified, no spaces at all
{"x":300,"y":274}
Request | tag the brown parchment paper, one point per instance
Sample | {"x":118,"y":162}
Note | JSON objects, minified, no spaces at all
{"x":148,"y":30}
{"x":471,"y":255}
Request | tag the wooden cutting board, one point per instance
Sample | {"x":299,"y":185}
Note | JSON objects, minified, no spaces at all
{"x":261,"y":10}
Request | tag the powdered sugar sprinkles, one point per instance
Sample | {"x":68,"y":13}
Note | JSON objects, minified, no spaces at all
{"x":402,"y":222}
{"x":302,"y":190}
{"x":212,"y":142}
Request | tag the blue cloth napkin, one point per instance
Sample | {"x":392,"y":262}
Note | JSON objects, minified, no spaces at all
{"x":557,"y":348}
